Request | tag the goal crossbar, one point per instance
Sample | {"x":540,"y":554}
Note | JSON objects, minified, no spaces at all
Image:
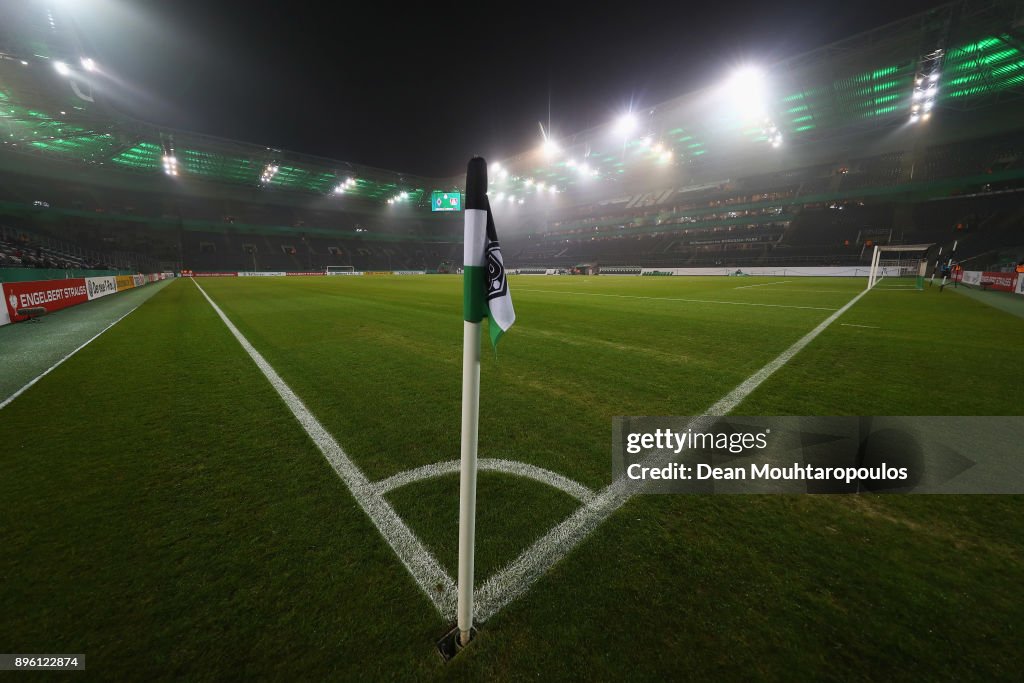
{"x":876,"y":273}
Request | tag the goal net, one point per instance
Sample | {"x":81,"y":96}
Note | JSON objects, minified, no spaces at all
{"x":331,"y":270}
{"x":900,"y":266}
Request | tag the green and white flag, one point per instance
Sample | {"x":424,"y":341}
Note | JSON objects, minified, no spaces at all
{"x":484,"y":294}
{"x":485,"y":286}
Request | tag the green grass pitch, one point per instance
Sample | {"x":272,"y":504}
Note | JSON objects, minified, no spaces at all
{"x":165,"y":514}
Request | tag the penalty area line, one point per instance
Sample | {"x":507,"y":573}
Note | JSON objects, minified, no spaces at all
{"x":763,"y":284}
{"x":7,"y":401}
{"x":665,"y":298}
{"x":515,"y":579}
{"x":424,"y":568}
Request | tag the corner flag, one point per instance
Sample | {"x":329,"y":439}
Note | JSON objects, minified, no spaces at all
{"x":485,"y":287}
{"x":484,"y":293}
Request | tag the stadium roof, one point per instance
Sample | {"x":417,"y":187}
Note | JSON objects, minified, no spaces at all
{"x":960,"y":56}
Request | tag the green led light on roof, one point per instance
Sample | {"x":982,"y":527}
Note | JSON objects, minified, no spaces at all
{"x":967,"y":50}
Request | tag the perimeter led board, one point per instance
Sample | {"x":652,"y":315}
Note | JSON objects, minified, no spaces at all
{"x":445,"y":201}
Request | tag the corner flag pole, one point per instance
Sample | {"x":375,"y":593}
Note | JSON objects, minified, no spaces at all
{"x":474,"y":274}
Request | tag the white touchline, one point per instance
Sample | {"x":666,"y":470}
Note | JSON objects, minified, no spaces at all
{"x":665,"y":298}
{"x":763,"y":284}
{"x":19,"y":392}
{"x":425,"y":570}
{"x":515,"y":579}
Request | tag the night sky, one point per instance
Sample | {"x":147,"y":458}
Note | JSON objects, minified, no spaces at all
{"x":420,"y":90}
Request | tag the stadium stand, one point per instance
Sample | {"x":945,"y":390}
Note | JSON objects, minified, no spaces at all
{"x":846,"y":161}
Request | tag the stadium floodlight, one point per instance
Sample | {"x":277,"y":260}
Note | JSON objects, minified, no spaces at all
{"x":503,"y":173}
{"x":404,"y":195}
{"x":340,"y":189}
{"x":529,"y":182}
{"x":549,"y":147}
{"x":934,"y":77}
{"x":269,"y":171}
{"x":88,"y":64}
{"x":747,"y":88}
{"x":625,"y":124}
{"x":521,"y":201}
{"x":659,"y":148}
{"x":540,"y":186}
{"x":511,"y":199}
{"x":585,"y":168}
{"x":747,"y":78}
{"x":498,"y":197}
{"x":62,"y":68}
{"x":170,"y":164}
{"x":553,"y":189}
{"x":666,"y":155}
{"x":24,"y":63}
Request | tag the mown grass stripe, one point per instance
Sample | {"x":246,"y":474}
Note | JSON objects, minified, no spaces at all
{"x":513,"y":581}
{"x":424,"y":568}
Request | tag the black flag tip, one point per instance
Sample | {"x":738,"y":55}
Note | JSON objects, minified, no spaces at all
{"x":476,"y":183}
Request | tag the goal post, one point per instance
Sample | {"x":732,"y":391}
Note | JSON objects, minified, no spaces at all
{"x":903,"y":265}
{"x":331,"y":270}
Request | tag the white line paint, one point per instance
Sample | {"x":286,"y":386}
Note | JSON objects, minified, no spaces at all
{"x":763,"y":284}
{"x":870,"y":327}
{"x":425,"y":570}
{"x":521,"y":469}
{"x":820,"y":291}
{"x":19,"y":392}
{"x":515,"y":579}
{"x":663,"y":298}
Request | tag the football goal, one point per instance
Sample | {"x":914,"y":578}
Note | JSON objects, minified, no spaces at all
{"x":900,"y":265}
{"x":340,"y":270}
